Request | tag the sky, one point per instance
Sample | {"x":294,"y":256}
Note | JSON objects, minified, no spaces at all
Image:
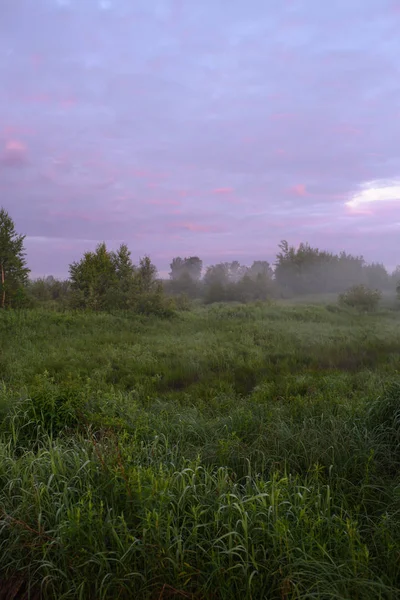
{"x":213,"y":128}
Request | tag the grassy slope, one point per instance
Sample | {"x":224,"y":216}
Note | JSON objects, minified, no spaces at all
{"x":233,"y":452}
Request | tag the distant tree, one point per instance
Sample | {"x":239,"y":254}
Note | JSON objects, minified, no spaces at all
{"x":124,"y":267}
{"x":261,"y":267}
{"x":104,"y":280}
{"x":93,"y":278}
{"x":13,"y":269}
{"x":306,"y":270}
{"x":394,"y":279}
{"x":361,"y":297}
{"x":49,"y":290}
{"x":146,"y":276}
{"x":191,"y":266}
{"x":376,"y":276}
{"x":231,"y":281}
{"x":177,"y":267}
{"x":185,"y":275}
{"x":225,"y":273}
{"x":194,"y":267}
{"x":216,"y":274}
{"x":148,"y":295}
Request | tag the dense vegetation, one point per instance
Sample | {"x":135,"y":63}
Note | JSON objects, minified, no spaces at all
{"x":154,"y":448}
{"x":227,"y":452}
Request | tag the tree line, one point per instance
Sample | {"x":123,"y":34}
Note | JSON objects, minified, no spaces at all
{"x":106,"y":280}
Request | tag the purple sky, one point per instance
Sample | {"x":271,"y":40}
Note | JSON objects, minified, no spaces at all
{"x":212,"y":127}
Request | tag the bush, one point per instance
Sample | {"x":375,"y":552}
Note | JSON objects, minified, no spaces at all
{"x":361,"y":297}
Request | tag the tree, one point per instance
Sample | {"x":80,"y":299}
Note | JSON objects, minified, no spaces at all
{"x":394,"y":279}
{"x":49,"y":291}
{"x":123,"y":264}
{"x":177,"y":267}
{"x":261,"y":267}
{"x":104,"y":280}
{"x":13,"y":269}
{"x":93,"y":278}
{"x":308,"y":270}
{"x":361,"y":297}
{"x":376,"y":276}
{"x":148,"y":293}
{"x":194,"y":267}
{"x":191,"y":267}
{"x":185,"y":275}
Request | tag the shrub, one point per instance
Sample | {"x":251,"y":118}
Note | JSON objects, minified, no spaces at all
{"x":361,"y":297}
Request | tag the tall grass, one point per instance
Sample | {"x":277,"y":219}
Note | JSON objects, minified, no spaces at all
{"x":233,"y":452}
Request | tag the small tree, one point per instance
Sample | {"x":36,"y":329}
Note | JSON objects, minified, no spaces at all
{"x":104,"y":280}
{"x":49,"y":291}
{"x":148,"y":293}
{"x":361,"y":298}
{"x":13,"y":269}
{"x":93,"y":278}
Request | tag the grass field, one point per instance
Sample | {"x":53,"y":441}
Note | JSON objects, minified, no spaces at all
{"x":230,"y":452}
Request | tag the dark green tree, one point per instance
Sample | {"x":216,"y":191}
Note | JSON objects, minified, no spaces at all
{"x":124,"y":267}
{"x":13,"y":269}
{"x":93,"y":279}
{"x":148,"y":293}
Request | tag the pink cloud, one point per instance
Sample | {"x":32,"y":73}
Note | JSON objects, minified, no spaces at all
{"x":299,"y":189}
{"x":68,"y":102}
{"x":248,"y":140}
{"x":358,"y":210}
{"x":395,"y":7}
{"x":223,"y":190}
{"x":41,"y":98}
{"x":12,"y":131}
{"x":14,"y":153}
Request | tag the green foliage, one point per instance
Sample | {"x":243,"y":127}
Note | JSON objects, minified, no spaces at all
{"x":361,"y":297}
{"x":49,"y":292}
{"x":93,"y":279}
{"x":227,"y":282}
{"x":13,"y":269}
{"x":236,"y":452}
{"x":104,"y":280}
{"x":308,"y":270}
{"x":185,"y":276}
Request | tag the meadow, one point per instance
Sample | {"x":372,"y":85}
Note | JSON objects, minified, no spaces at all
{"x":232,"y":451}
